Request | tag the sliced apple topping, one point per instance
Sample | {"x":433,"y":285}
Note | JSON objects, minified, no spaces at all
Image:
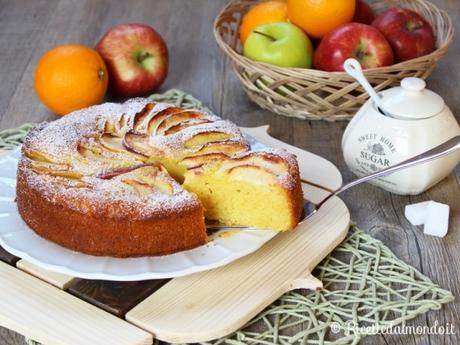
{"x":141,"y":187}
{"x":87,"y":148}
{"x":123,"y":123}
{"x":61,"y":170}
{"x":203,"y":138}
{"x":107,"y":175}
{"x":43,"y":157}
{"x":273,"y":163}
{"x":270,"y":163}
{"x":156,"y":119}
{"x":116,"y":128}
{"x":144,"y":188}
{"x":162,"y":185}
{"x":92,"y":151}
{"x":67,"y":174}
{"x":192,"y":162}
{"x":109,"y":127}
{"x":176,"y":119}
{"x":44,"y":166}
{"x":229,"y":147}
{"x":148,"y":178}
{"x":183,"y":125}
{"x":112,"y":143}
{"x":139,"y":143}
{"x":253,"y":174}
{"x":140,"y":118}
{"x":115,"y":144}
{"x":91,"y":155}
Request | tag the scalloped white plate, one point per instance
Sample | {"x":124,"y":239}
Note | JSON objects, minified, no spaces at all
{"x":17,"y":238}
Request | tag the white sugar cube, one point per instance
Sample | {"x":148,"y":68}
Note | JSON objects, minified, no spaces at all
{"x":433,"y":215}
{"x":416,"y":213}
{"x":437,"y":219}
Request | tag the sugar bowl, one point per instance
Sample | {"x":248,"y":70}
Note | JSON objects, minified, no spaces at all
{"x":395,"y":125}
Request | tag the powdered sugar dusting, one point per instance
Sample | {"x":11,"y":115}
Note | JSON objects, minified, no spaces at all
{"x":91,"y":195}
{"x":175,"y":143}
{"x":61,"y":139}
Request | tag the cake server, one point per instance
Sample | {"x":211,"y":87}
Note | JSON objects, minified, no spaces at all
{"x":310,"y":208}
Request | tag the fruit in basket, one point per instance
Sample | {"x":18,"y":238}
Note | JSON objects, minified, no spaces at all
{"x":70,"y":77}
{"x":280,"y":44}
{"x":265,"y":12}
{"x":409,"y":34}
{"x":363,"y":13}
{"x":360,"y":41}
{"x":319,"y":17}
{"x":136,"y":57}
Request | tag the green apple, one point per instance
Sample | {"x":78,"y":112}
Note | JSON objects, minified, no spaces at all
{"x":281,"y":44}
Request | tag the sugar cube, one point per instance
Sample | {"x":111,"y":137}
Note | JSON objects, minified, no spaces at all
{"x":437,"y":219}
{"x":416,"y":213}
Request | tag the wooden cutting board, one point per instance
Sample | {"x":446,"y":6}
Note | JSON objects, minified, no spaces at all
{"x":52,"y":308}
{"x":212,"y":304}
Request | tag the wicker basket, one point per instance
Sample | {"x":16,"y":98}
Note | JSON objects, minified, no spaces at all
{"x":317,"y":95}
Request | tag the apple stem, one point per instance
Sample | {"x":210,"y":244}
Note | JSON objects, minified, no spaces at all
{"x":264,"y":34}
{"x":142,"y":56}
{"x":412,"y":26}
{"x":361,"y":52}
{"x":360,"y":55}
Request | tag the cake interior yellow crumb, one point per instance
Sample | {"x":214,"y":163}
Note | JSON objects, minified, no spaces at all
{"x":241,"y":202}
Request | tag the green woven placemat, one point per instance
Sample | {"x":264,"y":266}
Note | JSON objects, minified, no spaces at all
{"x":365,"y":285}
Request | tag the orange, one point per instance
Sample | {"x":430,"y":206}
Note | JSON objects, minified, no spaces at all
{"x":319,"y":17}
{"x":265,"y":12}
{"x":70,"y":77}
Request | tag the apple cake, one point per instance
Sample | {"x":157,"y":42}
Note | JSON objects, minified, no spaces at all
{"x":139,"y":178}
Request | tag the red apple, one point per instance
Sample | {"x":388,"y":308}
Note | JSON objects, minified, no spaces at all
{"x":363,"y":13}
{"x":136,"y":57}
{"x":408,"y":32}
{"x":360,"y":41}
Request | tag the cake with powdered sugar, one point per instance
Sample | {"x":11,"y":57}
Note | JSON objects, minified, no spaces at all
{"x":139,"y":178}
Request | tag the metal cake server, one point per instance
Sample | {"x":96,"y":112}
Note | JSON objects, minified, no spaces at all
{"x":310,"y":208}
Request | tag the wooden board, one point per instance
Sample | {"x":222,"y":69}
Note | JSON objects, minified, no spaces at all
{"x":324,"y":174}
{"x":51,"y":316}
{"x":59,"y":280}
{"x":115,"y":297}
{"x":212,"y":304}
{"x":210,"y":77}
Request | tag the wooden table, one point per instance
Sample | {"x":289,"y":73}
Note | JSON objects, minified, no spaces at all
{"x":29,"y":28}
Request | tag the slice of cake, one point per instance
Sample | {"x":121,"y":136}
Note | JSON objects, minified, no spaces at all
{"x":256,"y":189}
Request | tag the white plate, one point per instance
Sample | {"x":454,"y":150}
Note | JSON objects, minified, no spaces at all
{"x":17,"y":238}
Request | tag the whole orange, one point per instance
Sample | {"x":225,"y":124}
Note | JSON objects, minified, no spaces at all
{"x":319,"y":17}
{"x":70,"y":77}
{"x":265,"y":12}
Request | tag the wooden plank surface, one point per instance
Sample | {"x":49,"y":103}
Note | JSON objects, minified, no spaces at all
{"x":115,"y":297}
{"x":67,"y":320}
{"x":212,"y":304}
{"x":29,"y":28}
{"x":7,"y":257}
{"x":59,"y":280}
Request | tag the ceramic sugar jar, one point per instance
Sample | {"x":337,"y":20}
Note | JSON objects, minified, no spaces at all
{"x":409,"y":121}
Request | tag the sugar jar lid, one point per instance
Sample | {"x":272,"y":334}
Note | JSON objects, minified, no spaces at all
{"x":411,"y":100}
